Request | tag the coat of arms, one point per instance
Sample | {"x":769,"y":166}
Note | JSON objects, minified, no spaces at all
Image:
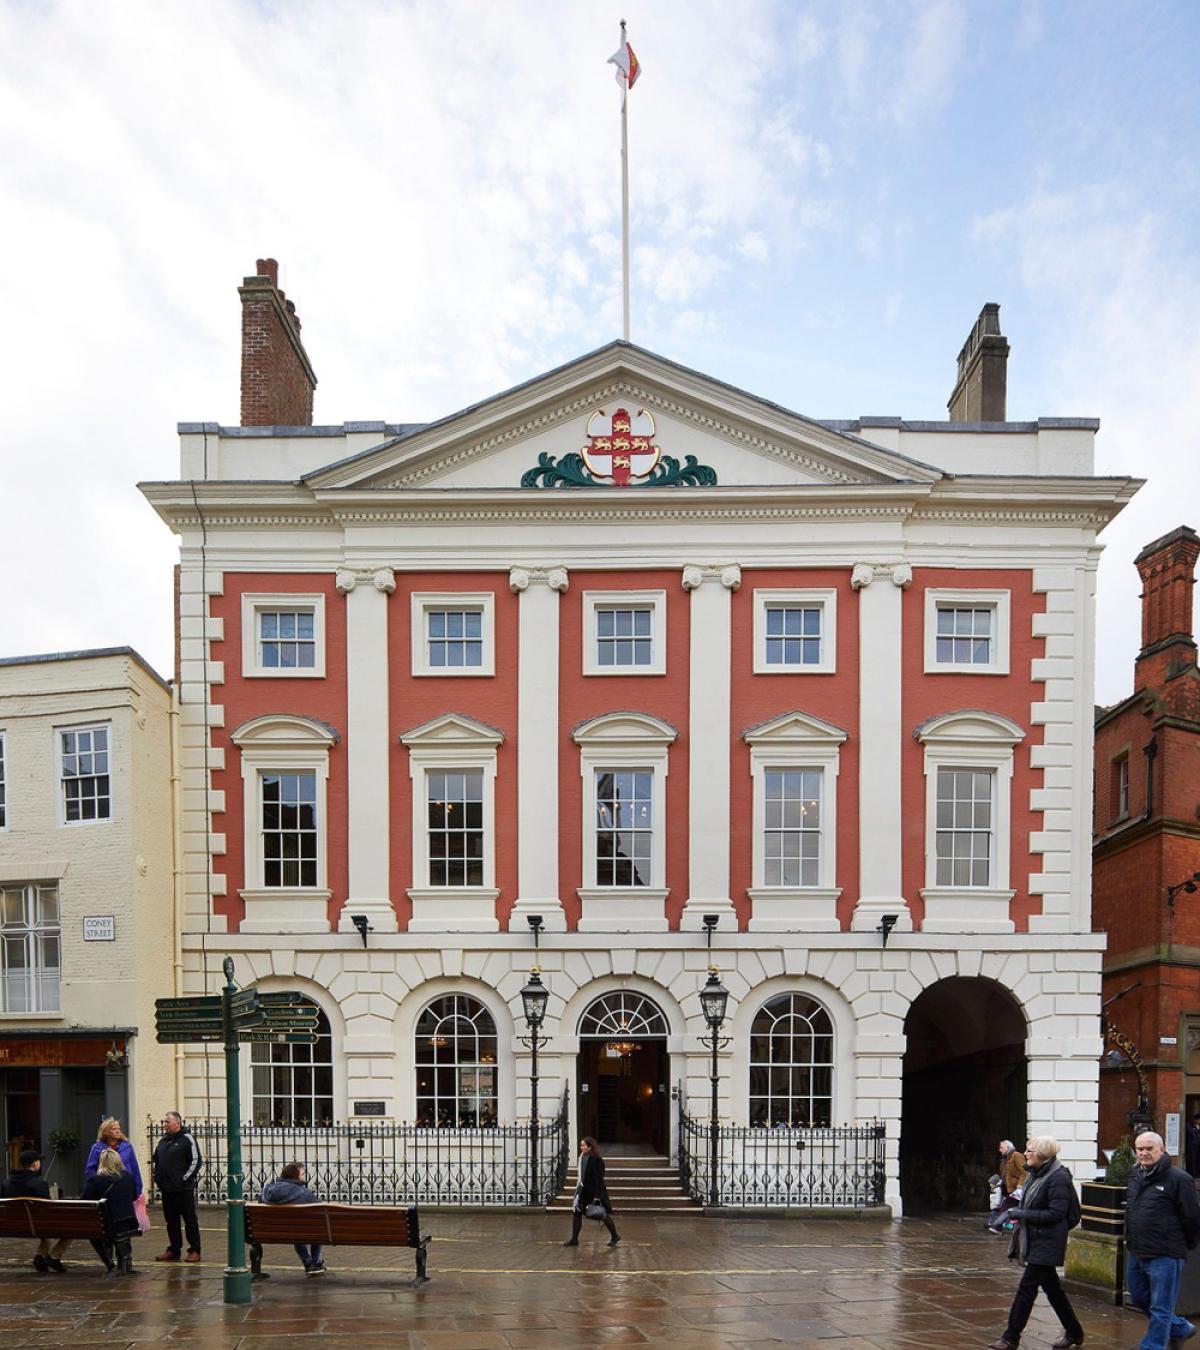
{"x":621,"y":452}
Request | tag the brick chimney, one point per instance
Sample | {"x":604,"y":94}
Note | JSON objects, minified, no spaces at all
{"x":277,"y":377}
{"x":981,"y":392}
{"x":1166,"y":567}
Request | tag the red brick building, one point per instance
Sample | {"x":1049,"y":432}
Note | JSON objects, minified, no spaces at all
{"x":1147,"y":844}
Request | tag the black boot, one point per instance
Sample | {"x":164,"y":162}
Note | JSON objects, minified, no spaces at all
{"x":576,"y":1225}
{"x":613,"y":1236}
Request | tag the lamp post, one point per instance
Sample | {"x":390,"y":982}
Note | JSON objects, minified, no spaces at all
{"x":713,"y":998}
{"x":534,"y":997}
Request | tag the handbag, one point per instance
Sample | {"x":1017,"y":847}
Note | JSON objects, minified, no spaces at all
{"x":143,"y":1219}
{"x":594,"y":1211}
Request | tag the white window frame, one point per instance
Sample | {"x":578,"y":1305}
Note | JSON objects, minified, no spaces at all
{"x":269,"y":744}
{"x":795,"y":740}
{"x":654,"y":601}
{"x":999,"y":602}
{"x":253,"y":604}
{"x":31,"y":933}
{"x":4,"y":780}
{"x":624,"y":740}
{"x":825,"y":599}
{"x":425,"y":601}
{"x":452,"y":741}
{"x":981,"y":741}
{"x":60,"y":781}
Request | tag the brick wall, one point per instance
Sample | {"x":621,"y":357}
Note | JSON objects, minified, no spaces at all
{"x":277,"y":378}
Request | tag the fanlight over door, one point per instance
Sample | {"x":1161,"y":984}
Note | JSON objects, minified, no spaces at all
{"x":622,"y":1016}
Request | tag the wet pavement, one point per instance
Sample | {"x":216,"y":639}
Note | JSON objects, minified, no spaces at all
{"x":505,"y":1282}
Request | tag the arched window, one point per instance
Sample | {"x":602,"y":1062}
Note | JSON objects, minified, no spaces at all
{"x":791,"y":1063}
{"x":622,"y":1014}
{"x":293,"y":1084}
{"x":456,"y":1064}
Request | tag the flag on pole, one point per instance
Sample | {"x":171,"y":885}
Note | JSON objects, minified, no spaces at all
{"x":627,"y":66}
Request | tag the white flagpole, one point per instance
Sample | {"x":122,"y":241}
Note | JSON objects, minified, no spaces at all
{"x":625,"y":196}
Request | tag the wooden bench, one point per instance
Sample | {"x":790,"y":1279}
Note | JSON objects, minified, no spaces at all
{"x":337,"y":1226}
{"x":25,"y":1216}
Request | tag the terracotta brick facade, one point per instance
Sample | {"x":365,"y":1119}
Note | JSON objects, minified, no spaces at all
{"x":1147,"y":839}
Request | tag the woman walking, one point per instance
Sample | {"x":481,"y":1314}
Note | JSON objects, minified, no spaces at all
{"x":1045,"y":1214}
{"x":112,"y":1183}
{"x":590,"y":1190}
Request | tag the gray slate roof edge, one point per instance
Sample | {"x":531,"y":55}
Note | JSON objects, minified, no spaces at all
{"x":83,"y":654}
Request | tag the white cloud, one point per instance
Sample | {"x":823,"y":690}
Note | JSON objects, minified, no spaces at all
{"x":1114,"y":288}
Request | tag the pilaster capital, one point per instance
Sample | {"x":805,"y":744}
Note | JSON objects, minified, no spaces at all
{"x":347,"y":578}
{"x":902,"y":575}
{"x":728,"y":574}
{"x":521,"y":578}
{"x":862,"y":576}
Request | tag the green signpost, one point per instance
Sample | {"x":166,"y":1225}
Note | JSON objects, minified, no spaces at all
{"x":235,"y":1016}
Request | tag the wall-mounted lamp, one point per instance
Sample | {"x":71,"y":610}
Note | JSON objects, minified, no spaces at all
{"x":1189,"y":886}
{"x":886,"y":923}
{"x":360,"y":922}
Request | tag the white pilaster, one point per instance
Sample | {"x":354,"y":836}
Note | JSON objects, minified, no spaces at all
{"x":708,"y":744}
{"x":880,"y":740}
{"x":537,"y":747}
{"x":366,"y":593}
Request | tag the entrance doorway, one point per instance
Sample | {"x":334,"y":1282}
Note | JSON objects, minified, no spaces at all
{"x":623,"y":1071}
{"x":964,"y":1090}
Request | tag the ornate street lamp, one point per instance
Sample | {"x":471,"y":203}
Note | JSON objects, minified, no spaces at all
{"x":714,"y":998}
{"x":1190,"y":886}
{"x":534,"y":997}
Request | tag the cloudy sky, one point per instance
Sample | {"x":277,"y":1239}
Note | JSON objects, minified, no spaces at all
{"x":823,"y":196}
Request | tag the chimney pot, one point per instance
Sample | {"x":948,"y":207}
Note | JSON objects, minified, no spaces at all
{"x":981,"y":389}
{"x":268,"y":267}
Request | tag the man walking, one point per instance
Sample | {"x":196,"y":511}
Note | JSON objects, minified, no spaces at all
{"x":176,"y":1173}
{"x":1162,"y":1221}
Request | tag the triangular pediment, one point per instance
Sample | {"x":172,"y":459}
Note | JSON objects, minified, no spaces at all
{"x":735,"y":438}
{"x":794,"y":728}
{"x":452,"y":729}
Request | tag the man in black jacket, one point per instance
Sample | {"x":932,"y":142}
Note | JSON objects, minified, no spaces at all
{"x":1162,"y":1222}
{"x":28,"y":1180}
{"x":176,"y":1174}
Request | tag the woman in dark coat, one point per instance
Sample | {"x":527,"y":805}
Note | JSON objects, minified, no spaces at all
{"x":113,"y":1183}
{"x":590,"y":1190}
{"x":1040,"y":1241}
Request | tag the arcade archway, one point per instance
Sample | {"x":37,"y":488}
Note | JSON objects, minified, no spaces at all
{"x":964,"y":1090}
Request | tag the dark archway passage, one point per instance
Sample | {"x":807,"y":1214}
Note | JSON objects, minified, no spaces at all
{"x":964,"y":1090}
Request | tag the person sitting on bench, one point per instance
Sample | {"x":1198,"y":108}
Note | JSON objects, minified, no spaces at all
{"x":28,"y":1180}
{"x":289,"y":1189}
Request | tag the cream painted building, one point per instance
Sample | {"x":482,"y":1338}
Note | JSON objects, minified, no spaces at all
{"x":619,"y":649}
{"x":86,"y":875}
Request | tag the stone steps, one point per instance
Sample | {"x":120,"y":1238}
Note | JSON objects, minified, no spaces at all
{"x":643,"y":1185}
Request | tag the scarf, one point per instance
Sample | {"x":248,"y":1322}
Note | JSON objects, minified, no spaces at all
{"x":1033,"y":1184}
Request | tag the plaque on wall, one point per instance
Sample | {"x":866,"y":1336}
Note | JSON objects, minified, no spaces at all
{"x":99,"y":928}
{"x":369,"y":1108}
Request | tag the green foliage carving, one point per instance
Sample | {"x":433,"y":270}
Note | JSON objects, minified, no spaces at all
{"x":571,"y":471}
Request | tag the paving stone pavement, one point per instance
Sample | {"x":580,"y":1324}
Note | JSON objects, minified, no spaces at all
{"x":505,"y":1282}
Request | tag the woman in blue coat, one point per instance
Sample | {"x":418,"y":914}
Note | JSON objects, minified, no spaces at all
{"x":110,"y":1135}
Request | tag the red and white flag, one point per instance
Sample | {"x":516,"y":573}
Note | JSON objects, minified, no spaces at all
{"x":627,"y":66}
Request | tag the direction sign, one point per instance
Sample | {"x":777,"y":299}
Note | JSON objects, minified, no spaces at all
{"x":174,"y":1037}
{"x":280,"y":996}
{"x":244,"y":998}
{"x":279,"y":1037}
{"x":251,"y":1017}
{"x":182,"y":1014}
{"x":195,"y":1004}
{"x":304,"y":1014}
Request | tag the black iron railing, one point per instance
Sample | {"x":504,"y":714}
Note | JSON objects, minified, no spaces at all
{"x":381,"y":1164}
{"x":838,"y":1167}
